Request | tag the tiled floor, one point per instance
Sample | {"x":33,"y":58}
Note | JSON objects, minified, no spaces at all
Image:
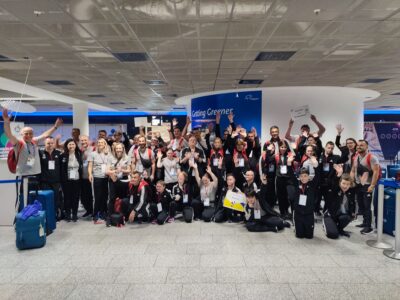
{"x":194,"y":261}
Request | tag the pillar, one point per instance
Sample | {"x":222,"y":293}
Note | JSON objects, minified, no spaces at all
{"x":80,"y":117}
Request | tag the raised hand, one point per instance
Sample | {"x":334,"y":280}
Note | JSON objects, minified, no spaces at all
{"x":339,"y":129}
{"x":6,"y":117}
{"x":230,"y":117}
{"x":313,"y":118}
{"x":217,"y":117}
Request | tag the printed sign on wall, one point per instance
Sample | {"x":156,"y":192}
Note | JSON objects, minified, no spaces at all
{"x":246,"y":106}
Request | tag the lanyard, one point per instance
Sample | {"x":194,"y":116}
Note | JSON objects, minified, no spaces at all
{"x":33,"y":148}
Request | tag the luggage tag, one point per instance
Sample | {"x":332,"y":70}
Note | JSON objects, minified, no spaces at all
{"x":207,"y":202}
{"x":271,"y":168}
{"x":326,"y":167}
{"x":52,"y":165}
{"x":185,"y":198}
{"x":303,"y":200}
{"x":41,"y":231}
{"x":72,"y":174}
{"x":159,"y":207}
{"x":103,"y":168}
{"x":215,"y":162}
{"x":257,"y":214}
{"x":283,"y":169}
{"x":241,"y":162}
{"x":30,"y":162}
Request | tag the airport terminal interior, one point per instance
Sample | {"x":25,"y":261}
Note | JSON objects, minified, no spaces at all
{"x":200,"y":149}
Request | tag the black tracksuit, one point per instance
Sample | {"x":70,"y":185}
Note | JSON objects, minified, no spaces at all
{"x":326,"y":176}
{"x":178,"y":205}
{"x":284,"y":182}
{"x":304,"y":209}
{"x":160,"y":205}
{"x":341,"y":206}
{"x":50,"y":179}
{"x":137,"y":200}
{"x":71,"y":188}
{"x":222,"y":214}
{"x":267,"y":220}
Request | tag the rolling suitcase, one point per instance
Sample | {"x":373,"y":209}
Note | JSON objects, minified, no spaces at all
{"x":330,"y":227}
{"x":30,"y":233}
{"x":46,"y":198}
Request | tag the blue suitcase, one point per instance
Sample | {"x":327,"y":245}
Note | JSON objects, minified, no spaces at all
{"x":46,"y":198}
{"x":30,"y":233}
{"x":389,"y":211}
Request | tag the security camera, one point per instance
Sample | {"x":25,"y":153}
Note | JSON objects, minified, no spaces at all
{"x":317,"y":11}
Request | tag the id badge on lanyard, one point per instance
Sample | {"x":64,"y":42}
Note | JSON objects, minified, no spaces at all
{"x":72,"y":174}
{"x":215,"y":162}
{"x":303,"y":200}
{"x":185,"y":198}
{"x":257,"y":214}
{"x":283,"y":169}
{"x":326,"y":167}
{"x":52,"y":165}
{"x":159,"y":207}
{"x":31,"y":161}
{"x":241,"y":162}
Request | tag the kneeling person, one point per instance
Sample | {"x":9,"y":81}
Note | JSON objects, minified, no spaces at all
{"x":136,"y":205}
{"x":304,"y":201}
{"x":159,"y":205}
{"x":341,"y":205}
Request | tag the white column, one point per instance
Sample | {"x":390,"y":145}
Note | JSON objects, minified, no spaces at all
{"x":80,"y":117}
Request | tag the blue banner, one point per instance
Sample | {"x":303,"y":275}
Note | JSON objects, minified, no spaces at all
{"x":246,"y":106}
{"x":389,"y":138}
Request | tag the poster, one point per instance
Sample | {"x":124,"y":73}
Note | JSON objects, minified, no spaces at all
{"x":383,"y":139}
{"x":5,"y":146}
{"x":246,"y":107}
{"x":299,"y":112}
{"x":235,"y":201}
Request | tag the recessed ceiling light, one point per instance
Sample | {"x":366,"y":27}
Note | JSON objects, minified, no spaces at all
{"x":346,"y":52}
{"x":154,"y":82}
{"x":97,"y":54}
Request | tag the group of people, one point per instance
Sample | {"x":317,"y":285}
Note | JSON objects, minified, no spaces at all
{"x":118,"y":179}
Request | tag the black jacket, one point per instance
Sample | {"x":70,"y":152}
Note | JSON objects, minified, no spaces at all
{"x":50,"y":176}
{"x":165,"y":198}
{"x":64,"y":165}
{"x":335,"y":199}
{"x":309,"y":189}
{"x":327,"y":174}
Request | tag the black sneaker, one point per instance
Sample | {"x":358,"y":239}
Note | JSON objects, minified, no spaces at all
{"x":108,"y":222}
{"x":74,"y":218}
{"x":344,"y":233}
{"x":86,"y":214}
{"x":362,"y":225}
{"x":286,"y":224}
{"x":67,"y":219}
{"x":367,"y":230}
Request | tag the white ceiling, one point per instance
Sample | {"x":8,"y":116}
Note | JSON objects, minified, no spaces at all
{"x":198,"y":46}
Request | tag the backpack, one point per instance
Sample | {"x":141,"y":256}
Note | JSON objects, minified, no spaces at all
{"x":368,"y":160}
{"x":12,"y":159}
{"x":146,"y":163}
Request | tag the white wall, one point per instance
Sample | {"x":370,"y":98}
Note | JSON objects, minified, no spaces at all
{"x":331,"y":107}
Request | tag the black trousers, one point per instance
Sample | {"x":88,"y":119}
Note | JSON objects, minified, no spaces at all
{"x":224,"y":214}
{"x":323,"y":193}
{"x":265,"y":224}
{"x":175,"y":206}
{"x":126,"y":209}
{"x":100,"y":188}
{"x":71,"y":190}
{"x":342,"y":221}
{"x":364,"y":200}
{"x":271,"y":193}
{"x":304,"y":225}
{"x":87,"y":195}
{"x":285,"y":193}
{"x":117,"y":189}
{"x":55,"y":187}
{"x":202,"y":212}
